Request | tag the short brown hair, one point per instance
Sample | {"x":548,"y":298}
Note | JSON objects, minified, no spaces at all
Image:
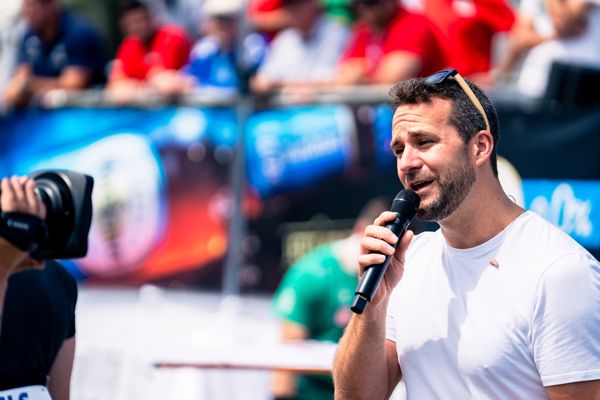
{"x":463,"y":115}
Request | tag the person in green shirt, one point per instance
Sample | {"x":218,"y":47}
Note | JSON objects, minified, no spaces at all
{"x":313,"y":303}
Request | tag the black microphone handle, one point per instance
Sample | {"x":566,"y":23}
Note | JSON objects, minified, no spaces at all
{"x":371,"y":277}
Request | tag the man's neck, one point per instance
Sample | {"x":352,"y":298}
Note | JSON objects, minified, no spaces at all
{"x":484,"y":213}
{"x":49,"y":32}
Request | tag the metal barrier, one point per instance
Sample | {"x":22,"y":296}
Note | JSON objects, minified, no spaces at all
{"x":532,"y":134}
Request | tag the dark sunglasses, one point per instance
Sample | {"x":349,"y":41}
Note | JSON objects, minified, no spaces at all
{"x":442,"y":76}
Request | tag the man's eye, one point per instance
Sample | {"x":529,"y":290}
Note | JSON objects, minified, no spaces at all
{"x":423,"y":142}
{"x":399,"y":152}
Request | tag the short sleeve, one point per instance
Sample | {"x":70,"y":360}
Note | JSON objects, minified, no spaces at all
{"x":565,"y":331}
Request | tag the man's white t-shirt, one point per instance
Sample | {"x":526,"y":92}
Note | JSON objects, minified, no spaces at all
{"x":500,"y":320}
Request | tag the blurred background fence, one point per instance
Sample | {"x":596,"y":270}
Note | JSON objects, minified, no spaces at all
{"x":163,"y":197}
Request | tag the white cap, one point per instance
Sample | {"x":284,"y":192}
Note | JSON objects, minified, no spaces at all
{"x":222,"y":7}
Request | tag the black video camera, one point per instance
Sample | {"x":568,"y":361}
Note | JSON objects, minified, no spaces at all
{"x":63,"y":234}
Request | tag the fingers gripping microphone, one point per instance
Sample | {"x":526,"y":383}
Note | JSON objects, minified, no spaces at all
{"x":406,"y":205}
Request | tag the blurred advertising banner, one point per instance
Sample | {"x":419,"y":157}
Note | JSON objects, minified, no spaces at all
{"x":160,"y":193}
{"x":573,"y":206}
{"x":293,"y":148}
{"x":162,"y":180}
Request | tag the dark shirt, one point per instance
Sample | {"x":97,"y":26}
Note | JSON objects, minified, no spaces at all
{"x":76,"y":43}
{"x":39,"y":315}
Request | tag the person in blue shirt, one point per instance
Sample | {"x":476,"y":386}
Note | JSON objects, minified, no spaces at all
{"x":213,"y":61}
{"x":59,"y":51}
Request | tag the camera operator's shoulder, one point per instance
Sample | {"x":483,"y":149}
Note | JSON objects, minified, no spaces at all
{"x":60,"y":274}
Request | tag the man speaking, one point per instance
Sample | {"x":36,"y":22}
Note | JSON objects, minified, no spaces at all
{"x":497,"y":303}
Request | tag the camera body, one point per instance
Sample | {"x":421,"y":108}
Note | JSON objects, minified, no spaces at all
{"x":67,"y":196}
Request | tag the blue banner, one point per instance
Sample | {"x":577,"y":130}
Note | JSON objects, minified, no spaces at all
{"x":162,"y":175}
{"x":382,"y":132}
{"x":294,"y":148}
{"x":573,"y":206}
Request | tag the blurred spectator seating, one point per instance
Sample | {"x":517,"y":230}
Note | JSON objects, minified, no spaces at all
{"x":60,"y":50}
{"x":184,"y":13}
{"x":307,"y":53}
{"x":270,"y":16}
{"x":12,"y":28}
{"x":532,"y":27}
{"x":389,"y":44}
{"x":214,"y":58}
{"x":468,"y":28}
{"x":576,"y":25}
{"x":150,"y":56}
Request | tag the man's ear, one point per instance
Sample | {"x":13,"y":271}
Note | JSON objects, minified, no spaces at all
{"x":483,"y":146}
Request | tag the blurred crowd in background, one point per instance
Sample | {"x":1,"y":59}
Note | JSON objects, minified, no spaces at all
{"x":173,"y":47}
{"x":131,"y":49}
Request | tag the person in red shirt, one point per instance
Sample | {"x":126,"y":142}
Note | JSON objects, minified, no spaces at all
{"x":390,"y":44}
{"x":469,"y":27}
{"x":150,"y":56}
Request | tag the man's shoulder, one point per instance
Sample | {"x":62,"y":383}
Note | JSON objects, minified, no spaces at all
{"x":204,"y":48}
{"x":546,"y":233}
{"x":60,"y":275}
{"x":321,"y":251}
{"x":316,"y":261}
{"x":77,"y":26}
{"x":53,"y":277}
{"x":286,"y":37}
{"x":172,"y":31}
{"x":542,"y":243}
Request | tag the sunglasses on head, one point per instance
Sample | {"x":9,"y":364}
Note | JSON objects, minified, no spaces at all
{"x":442,"y":76}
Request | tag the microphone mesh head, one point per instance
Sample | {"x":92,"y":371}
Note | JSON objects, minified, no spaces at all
{"x":406,"y":202}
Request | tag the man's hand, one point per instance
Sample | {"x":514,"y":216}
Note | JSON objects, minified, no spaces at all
{"x":378,"y":242}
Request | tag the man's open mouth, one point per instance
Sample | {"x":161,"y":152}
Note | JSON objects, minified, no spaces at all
{"x":421,"y":184}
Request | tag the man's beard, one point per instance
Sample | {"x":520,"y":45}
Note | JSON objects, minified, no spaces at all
{"x":453,"y":188}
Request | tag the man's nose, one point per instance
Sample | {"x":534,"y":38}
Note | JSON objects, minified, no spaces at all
{"x":409,"y":160}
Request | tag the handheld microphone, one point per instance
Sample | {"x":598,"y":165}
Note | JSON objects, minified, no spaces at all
{"x":406,"y":205}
